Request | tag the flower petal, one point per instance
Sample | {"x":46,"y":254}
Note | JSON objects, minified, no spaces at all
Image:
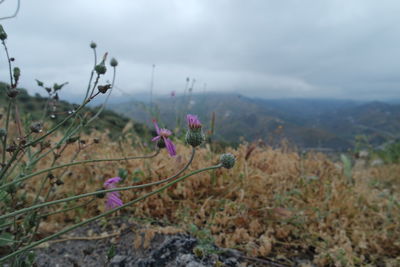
{"x":155,"y":138}
{"x":170,"y":147}
{"x":156,"y":126}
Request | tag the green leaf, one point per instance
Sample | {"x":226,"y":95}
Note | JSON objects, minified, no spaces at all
{"x":6,"y":239}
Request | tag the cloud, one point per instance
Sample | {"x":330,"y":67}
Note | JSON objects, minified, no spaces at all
{"x":267,"y":48}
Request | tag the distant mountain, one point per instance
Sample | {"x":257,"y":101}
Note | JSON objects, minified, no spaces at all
{"x":308,"y":123}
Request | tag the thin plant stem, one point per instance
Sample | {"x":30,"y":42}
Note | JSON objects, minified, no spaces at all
{"x":34,"y":244}
{"x":91,"y":75}
{"x":75,"y":163}
{"x":9,"y":63}
{"x":105,"y":102}
{"x":5,"y":137}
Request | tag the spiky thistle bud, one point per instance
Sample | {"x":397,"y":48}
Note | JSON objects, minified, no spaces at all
{"x":16,"y":74}
{"x":3,"y":34}
{"x":101,"y":67}
{"x":113,"y":62}
{"x":93,"y":45}
{"x":227,"y":160}
{"x":194,"y":135}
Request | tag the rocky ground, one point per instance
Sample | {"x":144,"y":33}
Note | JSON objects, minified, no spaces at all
{"x":121,"y":242}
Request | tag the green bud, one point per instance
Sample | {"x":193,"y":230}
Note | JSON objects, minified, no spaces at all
{"x":113,"y":62}
{"x":3,"y":132}
{"x":39,"y":83}
{"x":3,"y":34}
{"x":194,"y":137}
{"x":100,"y":68}
{"x":101,"y":195}
{"x":93,"y":45}
{"x":17,"y":73}
{"x":227,"y":160}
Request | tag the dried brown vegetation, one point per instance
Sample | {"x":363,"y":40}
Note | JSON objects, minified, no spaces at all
{"x":273,"y":203}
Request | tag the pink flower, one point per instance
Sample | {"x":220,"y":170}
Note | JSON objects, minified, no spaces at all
{"x":163,"y":135}
{"x":113,"y":199}
{"x":193,"y":122}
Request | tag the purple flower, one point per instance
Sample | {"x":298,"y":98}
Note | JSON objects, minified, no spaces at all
{"x":193,"y":122}
{"x":113,"y":199}
{"x":164,"y":134}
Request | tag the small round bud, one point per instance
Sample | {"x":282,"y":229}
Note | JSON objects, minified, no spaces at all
{"x":36,"y":127}
{"x":3,"y":34}
{"x":194,"y":138}
{"x":51,"y":176}
{"x":72,"y":139}
{"x":101,"y":195}
{"x":113,"y":62}
{"x":93,"y":45}
{"x":12,"y":59}
{"x":3,"y":132}
{"x":59,"y":182}
{"x":227,"y":160}
{"x":104,"y":88}
{"x":100,"y":69}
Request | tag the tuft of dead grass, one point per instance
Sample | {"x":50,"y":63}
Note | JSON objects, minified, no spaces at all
{"x":272,"y":203}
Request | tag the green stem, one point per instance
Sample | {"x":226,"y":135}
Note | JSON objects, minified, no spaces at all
{"x":5,"y":137}
{"x":9,"y":63}
{"x":105,"y":102}
{"x":72,"y":164}
{"x":34,"y":244}
{"x":91,"y":75}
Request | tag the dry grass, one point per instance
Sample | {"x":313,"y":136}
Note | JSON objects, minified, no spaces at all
{"x":272,"y":203}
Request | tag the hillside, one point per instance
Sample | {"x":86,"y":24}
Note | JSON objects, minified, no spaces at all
{"x":307,"y":123}
{"x":32,"y":109}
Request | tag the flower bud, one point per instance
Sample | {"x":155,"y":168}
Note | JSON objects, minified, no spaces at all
{"x":100,"y":69}
{"x":93,"y":45}
{"x":101,"y":195}
{"x":3,"y":132}
{"x":113,"y":62}
{"x":3,"y":34}
{"x":104,"y":88}
{"x":194,"y":138}
{"x":227,"y":160}
{"x":16,"y":73}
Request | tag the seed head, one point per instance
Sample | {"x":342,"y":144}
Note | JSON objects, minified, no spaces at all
{"x":113,"y":62}
{"x":227,"y":160}
{"x":93,"y":45}
{"x":100,"y":69}
{"x":3,"y":34}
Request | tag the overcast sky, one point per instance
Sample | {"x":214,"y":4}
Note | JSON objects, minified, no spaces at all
{"x":266,"y":48}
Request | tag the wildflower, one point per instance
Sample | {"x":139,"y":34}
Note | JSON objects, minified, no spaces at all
{"x":163,"y":140}
{"x":194,"y":135}
{"x":193,"y":122}
{"x":113,"y":199}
